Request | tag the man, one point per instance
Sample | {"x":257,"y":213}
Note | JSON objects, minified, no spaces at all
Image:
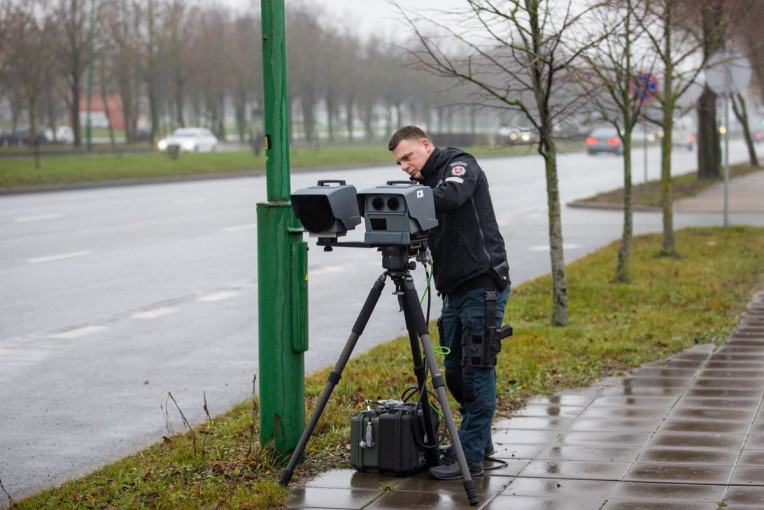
{"x":472,"y":276}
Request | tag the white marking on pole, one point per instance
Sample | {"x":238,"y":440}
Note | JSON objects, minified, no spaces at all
{"x":39,"y":217}
{"x":156,"y":312}
{"x":219,"y":296}
{"x":59,"y":256}
{"x":79,"y":332}
{"x":238,"y":228}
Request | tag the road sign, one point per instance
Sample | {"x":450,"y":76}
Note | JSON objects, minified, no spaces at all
{"x":728,"y":71}
{"x":644,"y":87}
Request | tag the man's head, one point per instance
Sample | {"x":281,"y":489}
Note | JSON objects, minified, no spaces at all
{"x":411,"y":147}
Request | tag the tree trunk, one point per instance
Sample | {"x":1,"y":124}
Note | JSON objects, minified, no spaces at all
{"x":669,"y":247}
{"x":741,"y":112}
{"x":622,"y":264}
{"x":709,"y":148}
{"x":556,"y":251}
{"x":349,"y":118}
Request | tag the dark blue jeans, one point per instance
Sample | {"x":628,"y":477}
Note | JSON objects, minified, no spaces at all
{"x":474,"y":388}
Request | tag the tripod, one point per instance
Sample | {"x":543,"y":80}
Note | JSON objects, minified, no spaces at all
{"x":395,"y":261}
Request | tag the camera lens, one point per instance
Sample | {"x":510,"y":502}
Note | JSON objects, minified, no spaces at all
{"x":393,"y":203}
{"x":378,"y":203}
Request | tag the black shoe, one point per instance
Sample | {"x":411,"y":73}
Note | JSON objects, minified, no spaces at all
{"x":490,"y":451}
{"x":450,"y":469}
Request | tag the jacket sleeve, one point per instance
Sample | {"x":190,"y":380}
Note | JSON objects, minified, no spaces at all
{"x":460,"y":178}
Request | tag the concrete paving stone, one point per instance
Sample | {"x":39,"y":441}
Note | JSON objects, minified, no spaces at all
{"x":565,"y":400}
{"x":751,"y":458}
{"x":681,"y":411}
{"x":603,"y":438}
{"x":570,"y":490}
{"x":319,"y":497}
{"x":684,"y":364}
{"x":744,"y":495}
{"x":628,"y":402}
{"x":575,"y":469}
{"x":696,"y":440}
{"x":739,"y":352}
{"x":548,"y":410}
{"x":590,"y":453}
{"x":755,"y":442}
{"x":348,"y":478}
{"x":484,"y":485}
{"x":690,"y":455}
{"x":748,"y":475}
{"x":644,"y":391}
{"x":672,"y":492}
{"x":664,"y":371}
{"x":654,"y":380}
{"x":724,"y":393}
{"x":656,"y":505}
{"x":538,"y":423}
{"x":510,"y":450}
{"x":679,"y":473}
{"x":757,"y":427}
{"x":721,"y":427}
{"x":431,"y":500}
{"x":605,"y":425}
{"x":746,"y":364}
{"x":525,"y":436}
{"x":542,"y":503}
{"x":698,"y":402}
{"x":742,"y":373}
{"x":735,"y":383}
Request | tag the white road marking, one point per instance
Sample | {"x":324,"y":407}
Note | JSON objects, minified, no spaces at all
{"x":59,"y":256}
{"x":219,"y":296}
{"x":190,"y":201}
{"x":79,"y":332}
{"x":238,"y":228}
{"x":153,"y":314}
{"x":325,"y":269}
{"x":39,"y":217}
{"x":545,"y":247}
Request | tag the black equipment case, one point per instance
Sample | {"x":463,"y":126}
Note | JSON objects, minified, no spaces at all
{"x":388,"y":439}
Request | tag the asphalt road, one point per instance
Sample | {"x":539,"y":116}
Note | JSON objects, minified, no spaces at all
{"x":112,"y":298}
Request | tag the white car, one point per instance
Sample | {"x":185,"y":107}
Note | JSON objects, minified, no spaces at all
{"x":64,"y":134}
{"x":190,"y":139}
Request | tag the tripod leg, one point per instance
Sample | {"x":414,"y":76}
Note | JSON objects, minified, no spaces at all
{"x":421,"y":373}
{"x":415,"y":311}
{"x":334,"y":377}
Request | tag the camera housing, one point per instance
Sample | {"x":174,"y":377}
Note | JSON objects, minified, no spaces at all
{"x":328,"y":209}
{"x":398,"y":213}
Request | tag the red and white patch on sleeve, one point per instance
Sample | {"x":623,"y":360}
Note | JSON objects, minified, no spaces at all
{"x":458,"y":170}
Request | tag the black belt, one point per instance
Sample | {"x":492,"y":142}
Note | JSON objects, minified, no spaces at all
{"x":482,"y":281}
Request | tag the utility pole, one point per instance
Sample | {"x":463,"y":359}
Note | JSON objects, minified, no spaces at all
{"x":282,"y":258}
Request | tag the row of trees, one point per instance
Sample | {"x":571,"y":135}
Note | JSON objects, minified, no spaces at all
{"x":175,"y":63}
{"x":550,"y":59}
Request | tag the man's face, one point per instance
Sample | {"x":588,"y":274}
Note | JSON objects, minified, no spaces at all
{"x":411,"y":155}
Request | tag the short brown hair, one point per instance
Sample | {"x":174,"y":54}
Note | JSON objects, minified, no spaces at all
{"x":407,"y":133}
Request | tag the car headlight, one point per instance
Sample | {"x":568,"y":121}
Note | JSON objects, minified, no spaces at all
{"x":162,"y":145}
{"x":188,"y":145}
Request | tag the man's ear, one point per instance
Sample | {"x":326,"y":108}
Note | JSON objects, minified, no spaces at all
{"x":427,"y":145}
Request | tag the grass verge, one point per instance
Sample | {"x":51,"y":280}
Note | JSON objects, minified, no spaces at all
{"x":682,"y":186}
{"x":53,"y":170}
{"x":672,"y":304}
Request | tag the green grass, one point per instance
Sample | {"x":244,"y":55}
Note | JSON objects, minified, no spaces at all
{"x":685,"y":185}
{"x":53,"y":168}
{"x":672,"y":304}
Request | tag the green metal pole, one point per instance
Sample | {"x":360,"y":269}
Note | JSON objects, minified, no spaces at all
{"x":282,"y":259}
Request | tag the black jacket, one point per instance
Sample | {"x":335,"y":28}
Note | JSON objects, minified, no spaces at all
{"x":467,"y":243}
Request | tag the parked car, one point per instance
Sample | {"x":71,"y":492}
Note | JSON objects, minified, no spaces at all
{"x":604,"y":139}
{"x":22,"y":136}
{"x":190,"y":139}
{"x":5,"y":137}
{"x":63,"y":134}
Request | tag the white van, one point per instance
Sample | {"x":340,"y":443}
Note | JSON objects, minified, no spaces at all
{"x":684,"y":133}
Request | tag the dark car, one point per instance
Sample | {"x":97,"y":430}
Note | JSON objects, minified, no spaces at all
{"x":22,"y":136}
{"x":604,"y":139}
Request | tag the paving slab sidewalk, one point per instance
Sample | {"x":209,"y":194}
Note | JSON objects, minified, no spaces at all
{"x":682,"y":433}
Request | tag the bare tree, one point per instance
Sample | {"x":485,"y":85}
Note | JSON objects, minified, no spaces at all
{"x":619,"y":69}
{"x":517,"y":53}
